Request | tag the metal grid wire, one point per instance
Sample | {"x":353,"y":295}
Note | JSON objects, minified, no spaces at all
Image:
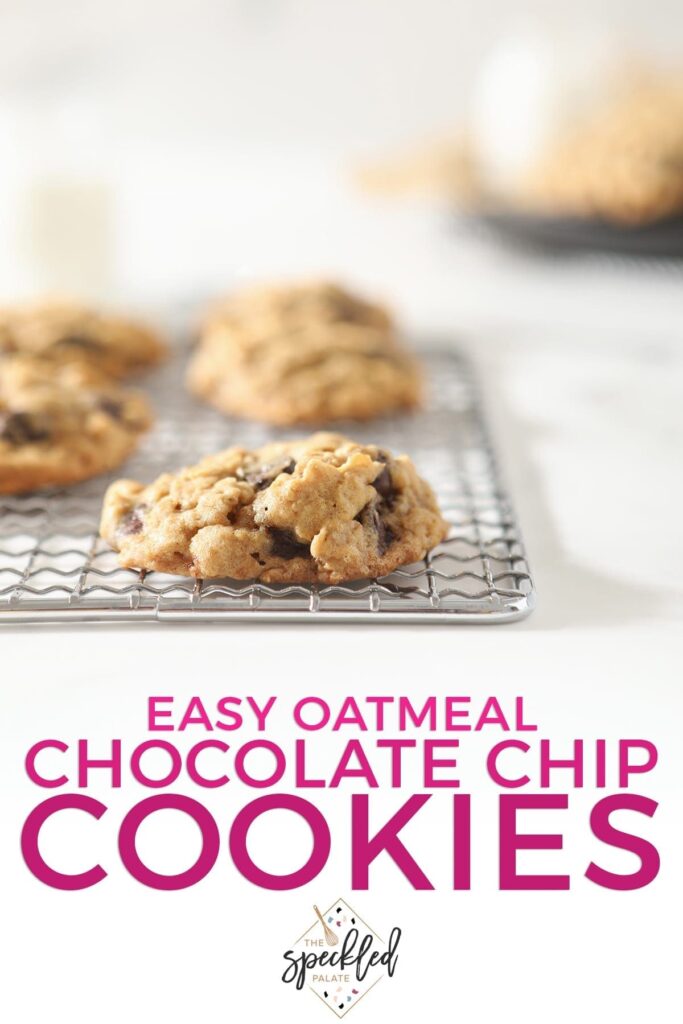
{"x":54,"y":567}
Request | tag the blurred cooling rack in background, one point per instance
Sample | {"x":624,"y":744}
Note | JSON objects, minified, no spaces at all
{"x":660,"y":242}
{"x":55,"y":568}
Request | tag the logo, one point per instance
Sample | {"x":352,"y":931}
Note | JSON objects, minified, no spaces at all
{"x":340,"y":957}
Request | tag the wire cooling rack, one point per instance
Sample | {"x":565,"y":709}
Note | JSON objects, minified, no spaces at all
{"x":55,"y":568}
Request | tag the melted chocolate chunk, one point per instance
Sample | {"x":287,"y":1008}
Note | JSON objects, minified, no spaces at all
{"x":385,"y":537}
{"x":285,"y":545}
{"x":263,"y":476}
{"x":82,"y":341}
{"x":24,"y":427}
{"x":346,"y":309}
{"x":111,"y":407}
{"x":384,"y":486}
{"x":370,"y":519}
{"x":132,"y":522}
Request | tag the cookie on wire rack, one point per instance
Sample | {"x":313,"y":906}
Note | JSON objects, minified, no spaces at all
{"x":308,"y":353}
{"x":63,"y":423}
{"x":67,"y":332}
{"x":321,"y":509}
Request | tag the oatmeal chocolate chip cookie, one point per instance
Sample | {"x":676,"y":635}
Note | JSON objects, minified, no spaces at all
{"x":625,"y":164}
{"x":322,"y":509}
{"x":67,"y":332}
{"x":60,"y":424}
{"x":297,"y":305}
{"x":304,"y":354}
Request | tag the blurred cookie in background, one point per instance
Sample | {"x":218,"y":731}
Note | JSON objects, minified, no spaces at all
{"x":564,"y":131}
{"x":63,"y":423}
{"x":300,"y":304}
{"x":304,"y":353}
{"x":66,"y":331}
{"x":446,"y":168}
{"x":623,"y":163}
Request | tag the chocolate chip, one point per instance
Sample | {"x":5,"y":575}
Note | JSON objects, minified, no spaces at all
{"x":384,"y":486}
{"x":346,"y":309}
{"x":263,"y":476}
{"x":111,"y":407}
{"x":132,"y":522}
{"x":82,"y":341}
{"x":370,"y":519}
{"x":285,"y":545}
{"x":385,"y":537}
{"x":24,"y":427}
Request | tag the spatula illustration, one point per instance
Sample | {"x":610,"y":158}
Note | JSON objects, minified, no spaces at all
{"x":331,"y":938}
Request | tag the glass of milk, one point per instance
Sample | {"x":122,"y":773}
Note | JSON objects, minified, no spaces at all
{"x":56,"y":201}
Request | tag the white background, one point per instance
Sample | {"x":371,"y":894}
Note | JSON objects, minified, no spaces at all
{"x":583,"y":376}
{"x":120,"y":951}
